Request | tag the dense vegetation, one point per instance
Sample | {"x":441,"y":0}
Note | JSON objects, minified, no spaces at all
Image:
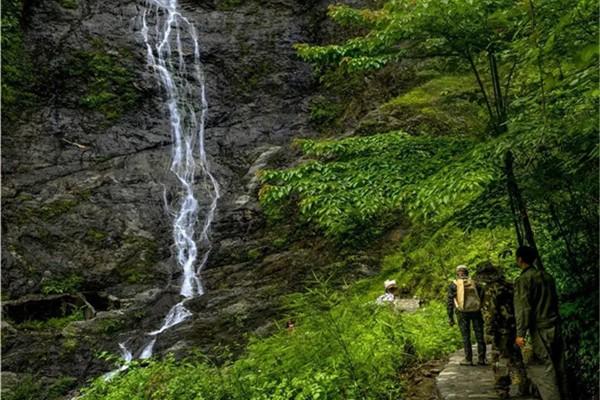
{"x":455,"y":130}
{"x":343,"y":346}
{"x":533,"y":169}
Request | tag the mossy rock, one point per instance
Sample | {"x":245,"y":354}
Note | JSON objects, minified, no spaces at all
{"x":228,"y":5}
{"x":96,"y":237}
{"x":18,"y":77}
{"x":52,"y":324}
{"x":69,"y":4}
{"x":141,"y":255}
{"x":104,"y":79}
{"x":445,"y":105}
{"x":105,"y":323}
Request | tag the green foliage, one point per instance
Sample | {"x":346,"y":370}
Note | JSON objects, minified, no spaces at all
{"x":17,"y":72}
{"x":33,"y":388}
{"x":536,"y":68}
{"x":356,"y":181}
{"x":69,"y":4}
{"x":343,"y":346}
{"x":55,"y":323}
{"x":323,"y":112}
{"x":432,"y":28}
{"x":443,"y":105}
{"x":425,"y":261}
{"x":27,"y":389}
{"x":70,"y":344}
{"x":107,"y":80}
{"x":60,"y":285}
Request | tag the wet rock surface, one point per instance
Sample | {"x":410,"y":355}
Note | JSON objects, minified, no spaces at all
{"x":85,"y":181}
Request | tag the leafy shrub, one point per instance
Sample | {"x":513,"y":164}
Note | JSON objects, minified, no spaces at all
{"x":66,"y":284}
{"x":356,"y":183}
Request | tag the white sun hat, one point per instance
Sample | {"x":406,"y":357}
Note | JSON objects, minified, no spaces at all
{"x":389,"y":284}
{"x":462,"y":268}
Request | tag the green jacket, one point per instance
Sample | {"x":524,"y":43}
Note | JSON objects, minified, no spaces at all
{"x":536,"y":301}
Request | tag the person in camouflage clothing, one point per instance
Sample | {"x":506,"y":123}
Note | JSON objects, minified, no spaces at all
{"x":537,"y":317}
{"x":499,"y":316}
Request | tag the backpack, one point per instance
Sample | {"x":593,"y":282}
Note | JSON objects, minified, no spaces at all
{"x":467,"y":299}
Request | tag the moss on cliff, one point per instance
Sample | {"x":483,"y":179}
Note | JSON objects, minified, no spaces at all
{"x":106,"y":79}
{"x":228,"y":5}
{"x":69,"y":4}
{"x":140,"y":257}
{"x":18,"y":79}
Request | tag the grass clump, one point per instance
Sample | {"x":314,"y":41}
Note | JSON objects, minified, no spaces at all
{"x":54,"y":324}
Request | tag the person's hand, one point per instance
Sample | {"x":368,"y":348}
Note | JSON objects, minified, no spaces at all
{"x":520,"y":341}
{"x":451,"y":322}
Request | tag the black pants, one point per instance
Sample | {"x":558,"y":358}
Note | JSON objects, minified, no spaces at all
{"x":464,"y":322}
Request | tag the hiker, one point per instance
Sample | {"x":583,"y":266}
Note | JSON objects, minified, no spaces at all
{"x":464,"y":299}
{"x":499,"y":317}
{"x":536,"y":310}
{"x":290,"y":326}
{"x":391,"y":292}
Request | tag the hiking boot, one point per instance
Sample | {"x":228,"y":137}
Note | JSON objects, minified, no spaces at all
{"x":466,"y":363}
{"x":481,"y":362}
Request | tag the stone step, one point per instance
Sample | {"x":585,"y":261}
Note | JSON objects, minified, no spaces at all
{"x":457,"y":382}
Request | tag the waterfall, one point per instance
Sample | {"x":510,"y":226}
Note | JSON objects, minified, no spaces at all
{"x":173,"y":54}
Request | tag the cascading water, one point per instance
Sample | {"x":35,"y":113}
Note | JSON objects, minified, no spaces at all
{"x":172,"y":47}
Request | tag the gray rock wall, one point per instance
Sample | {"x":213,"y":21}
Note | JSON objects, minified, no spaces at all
{"x":85,"y":178}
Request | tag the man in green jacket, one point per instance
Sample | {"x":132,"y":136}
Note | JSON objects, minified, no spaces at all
{"x":536,"y":312}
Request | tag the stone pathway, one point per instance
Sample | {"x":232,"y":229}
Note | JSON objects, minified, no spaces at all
{"x":457,"y":382}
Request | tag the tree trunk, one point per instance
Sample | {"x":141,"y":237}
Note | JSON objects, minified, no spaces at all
{"x":515,"y":196}
{"x":500,"y":123}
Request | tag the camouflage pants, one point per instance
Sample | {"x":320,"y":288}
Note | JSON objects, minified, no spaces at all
{"x":545,"y":363}
{"x":465,"y":319}
{"x":508,"y":366}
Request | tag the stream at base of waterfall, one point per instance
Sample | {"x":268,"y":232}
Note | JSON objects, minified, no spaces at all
{"x":173,"y":55}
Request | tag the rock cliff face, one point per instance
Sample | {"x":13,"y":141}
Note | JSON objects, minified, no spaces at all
{"x":86,"y":237}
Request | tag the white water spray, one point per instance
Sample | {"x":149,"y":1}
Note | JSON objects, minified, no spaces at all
{"x":173,"y":54}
